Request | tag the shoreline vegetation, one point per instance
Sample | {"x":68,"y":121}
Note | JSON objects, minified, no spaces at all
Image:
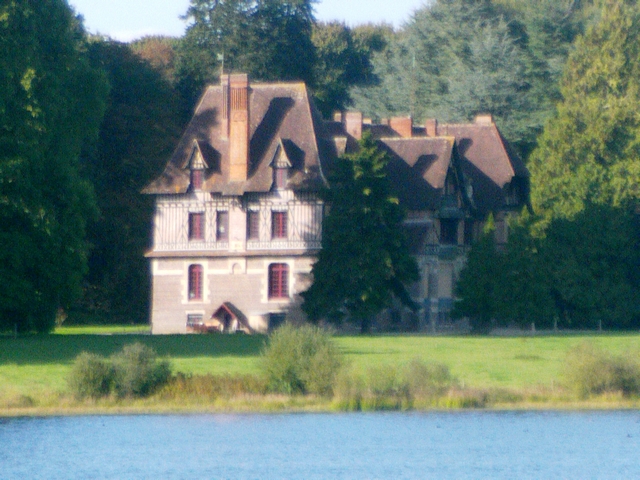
{"x":227,"y":374}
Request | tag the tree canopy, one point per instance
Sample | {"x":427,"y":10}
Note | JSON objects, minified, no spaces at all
{"x":364,"y":262}
{"x":590,"y":150}
{"x":51,"y":103}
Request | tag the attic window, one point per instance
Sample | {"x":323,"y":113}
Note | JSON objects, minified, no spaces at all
{"x":197,"y":177}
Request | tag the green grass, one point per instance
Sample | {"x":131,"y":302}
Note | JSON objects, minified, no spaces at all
{"x":102,"y":329}
{"x":38,"y":365}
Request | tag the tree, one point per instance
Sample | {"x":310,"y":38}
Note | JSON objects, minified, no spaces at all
{"x":51,"y":103}
{"x":457,"y":58}
{"x":268,"y":39}
{"x":143,"y":120}
{"x":590,"y":151}
{"x":593,"y":262}
{"x":364,"y":262}
{"x":343,"y":60}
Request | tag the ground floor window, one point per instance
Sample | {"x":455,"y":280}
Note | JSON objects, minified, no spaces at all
{"x":195,"y":282}
{"x":278,"y":280}
{"x":194,"y":319}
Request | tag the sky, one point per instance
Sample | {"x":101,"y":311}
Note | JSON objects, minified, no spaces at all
{"x":127,"y":20}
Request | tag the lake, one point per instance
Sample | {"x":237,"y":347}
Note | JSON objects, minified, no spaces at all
{"x":457,"y":445}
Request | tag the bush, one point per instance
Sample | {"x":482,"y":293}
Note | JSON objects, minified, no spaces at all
{"x":137,"y":372}
{"x":590,"y":371}
{"x":91,"y":376}
{"x":301,"y":360}
{"x":133,"y":372}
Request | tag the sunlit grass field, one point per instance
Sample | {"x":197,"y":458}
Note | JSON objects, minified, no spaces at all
{"x":39,"y":365}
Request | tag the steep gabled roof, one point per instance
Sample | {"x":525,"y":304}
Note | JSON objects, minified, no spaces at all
{"x":280,"y":115}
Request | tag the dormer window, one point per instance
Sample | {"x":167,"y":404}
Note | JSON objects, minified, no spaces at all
{"x":280,"y":166}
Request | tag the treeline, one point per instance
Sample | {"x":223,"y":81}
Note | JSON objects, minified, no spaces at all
{"x":86,"y":122}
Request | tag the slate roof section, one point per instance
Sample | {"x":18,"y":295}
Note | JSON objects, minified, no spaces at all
{"x":280,"y":114}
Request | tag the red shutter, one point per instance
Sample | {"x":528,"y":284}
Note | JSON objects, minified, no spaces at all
{"x":253,"y":224}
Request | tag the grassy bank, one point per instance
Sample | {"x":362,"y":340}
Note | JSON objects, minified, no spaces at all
{"x":517,"y":372}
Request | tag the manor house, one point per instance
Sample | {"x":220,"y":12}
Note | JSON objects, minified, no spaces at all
{"x":238,"y":219}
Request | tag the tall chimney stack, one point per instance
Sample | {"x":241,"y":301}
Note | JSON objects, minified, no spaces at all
{"x":238,"y":127}
{"x":403,"y":126}
{"x":353,"y":124}
{"x":431,"y":127}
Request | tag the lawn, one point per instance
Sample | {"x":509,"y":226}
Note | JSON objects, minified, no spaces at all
{"x":37,"y":365}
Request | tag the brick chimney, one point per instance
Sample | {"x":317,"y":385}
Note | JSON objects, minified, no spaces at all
{"x":238,"y":127}
{"x":224,"y":110}
{"x":431,"y":127}
{"x":403,"y":126}
{"x":484,"y":119}
{"x":352,"y":122}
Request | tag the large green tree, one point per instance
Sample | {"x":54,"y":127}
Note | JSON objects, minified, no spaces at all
{"x":590,"y":150}
{"x":365,"y":261}
{"x":143,"y":120}
{"x":51,"y":103}
{"x":268,"y":39}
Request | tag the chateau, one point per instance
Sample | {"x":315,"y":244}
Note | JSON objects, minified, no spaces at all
{"x":238,"y":220}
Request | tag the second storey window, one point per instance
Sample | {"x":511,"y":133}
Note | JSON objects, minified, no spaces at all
{"x":278,"y":280}
{"x":222,"y":226}
{"x":253,"y":225}
{"x":195,"y":282}
{"x":279,"y":225}
{"x":196,"y":226}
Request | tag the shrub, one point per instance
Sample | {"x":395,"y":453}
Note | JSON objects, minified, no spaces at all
{"x":427,"y":379}
{"x":300,"y":360}
{"x":133,"y":372}
{"x":137,"y":373}
{"x":590,"y":371}
{"x":91,"y":376}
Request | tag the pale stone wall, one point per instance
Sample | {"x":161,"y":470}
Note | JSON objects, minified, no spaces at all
{"x":239,"y":280}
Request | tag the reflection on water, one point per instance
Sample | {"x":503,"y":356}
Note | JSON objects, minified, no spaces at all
{"x":359,"y":446}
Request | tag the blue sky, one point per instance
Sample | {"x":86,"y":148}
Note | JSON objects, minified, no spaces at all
{"x":129,"y":19}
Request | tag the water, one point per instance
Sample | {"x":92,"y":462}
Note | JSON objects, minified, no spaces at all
{"x":492,"y":445}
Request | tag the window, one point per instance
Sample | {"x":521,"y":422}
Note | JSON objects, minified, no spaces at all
{"x":222,"y":226}
{"x":448,"y":231}
{"x":194,"y":319}
{"x":279,"y":225}
{"x":281,"y":175}
{"x":197,"y":177}
{"x":278,"y":280}
{"x":196,"y":226}
{"x":253,"y":225}
{"x":195,"y":282}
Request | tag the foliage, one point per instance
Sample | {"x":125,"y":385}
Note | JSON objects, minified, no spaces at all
{"x":91,"y":376}
{"x":593,"y":262}
{"x":132,"y":372}
{"x":343,"y":60}
{"x":590,"y":151}
{"x":592,"y":371}
{"x":161,"y":54}
{"x":364,"y":262}
{"x":143,"y":120}
{"x":210,"y":387}
{"x":392,"y":387}
{"x":136,"y":371}
{"x":51,"y":102}
{"x":300,"y":360}
{"x":268,"y":39}
{"x":582,"y":274}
